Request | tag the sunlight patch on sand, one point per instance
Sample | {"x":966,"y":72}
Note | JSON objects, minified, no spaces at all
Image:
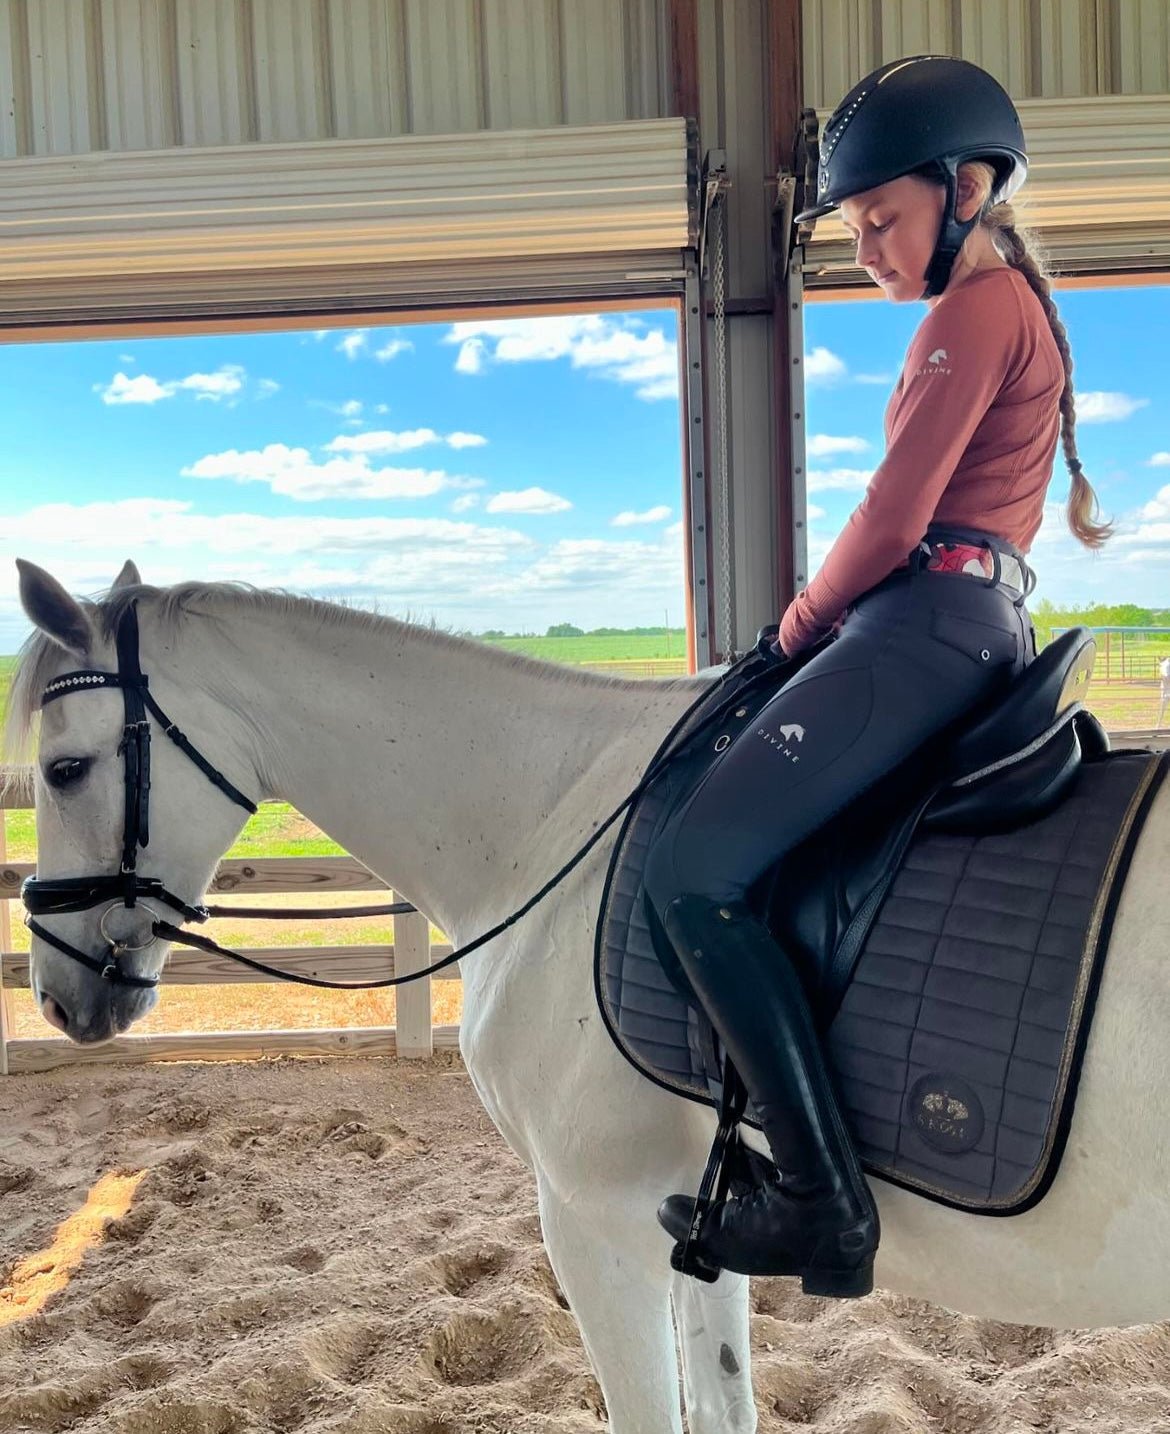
{"x":38,"y":1277}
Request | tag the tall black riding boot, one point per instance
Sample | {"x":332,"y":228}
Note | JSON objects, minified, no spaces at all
{"x":820,"y":1221}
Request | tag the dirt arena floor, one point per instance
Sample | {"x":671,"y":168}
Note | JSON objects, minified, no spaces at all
{"x":302,"y":1247}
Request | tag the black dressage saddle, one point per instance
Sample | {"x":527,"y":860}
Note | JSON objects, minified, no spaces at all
{"x":949,"y":928}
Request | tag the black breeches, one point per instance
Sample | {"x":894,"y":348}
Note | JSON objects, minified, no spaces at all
{"x":912,"y":657}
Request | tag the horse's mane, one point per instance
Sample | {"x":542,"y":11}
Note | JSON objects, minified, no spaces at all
{"x":40,"y":656}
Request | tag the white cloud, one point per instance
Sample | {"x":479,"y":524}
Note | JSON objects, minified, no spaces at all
{"x":823,"y":366}
{"x":883,"y":378}
{"x":578,"y":565}
{"x":528,"y":500}
{"x":464,"y":502}
{"x":413,"y":566}
{"x":471,"y":357}
{"x":822,"y":445}
{"x":382,"y":441}
{"x":1158,"y":506}
{"x":267,"y":387}
{"x":294,"y":473}
{"x":353,"y":344}
{"x":1160,"y":460}
{"x":820,"y":480}
{"x":625,"y":351}
{"x":141,"y":389}
{"x":651,"y":515}
{"x":1104,"y":407}
{"x":812,"y":512}
{"x":391,"y":349}
{"x":386,"y":441}
{"x":226,"y":382}
{"x":169,"y":525}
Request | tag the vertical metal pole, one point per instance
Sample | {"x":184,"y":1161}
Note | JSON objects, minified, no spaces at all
{"x":698,"y":524}
{"x":797,"y":421}
{"x":784,"y":49}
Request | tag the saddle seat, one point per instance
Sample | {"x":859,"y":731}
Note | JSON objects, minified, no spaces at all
{"x":1011,"y":764}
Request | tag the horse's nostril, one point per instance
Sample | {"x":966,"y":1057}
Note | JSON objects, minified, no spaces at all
{"x":54,"y":1014}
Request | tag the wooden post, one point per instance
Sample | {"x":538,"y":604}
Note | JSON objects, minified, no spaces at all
{"x":7,"y":1019}
{"x":414,"y":1025}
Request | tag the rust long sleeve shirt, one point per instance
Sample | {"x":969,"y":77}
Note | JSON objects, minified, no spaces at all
{"x":971,"y":431}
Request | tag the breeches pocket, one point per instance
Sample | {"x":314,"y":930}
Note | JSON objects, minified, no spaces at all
{"x":984,"y":643}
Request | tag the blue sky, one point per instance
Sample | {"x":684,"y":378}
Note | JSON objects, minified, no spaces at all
{"x":498,"y":473}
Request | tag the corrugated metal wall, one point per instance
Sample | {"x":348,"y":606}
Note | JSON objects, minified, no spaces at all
{"x":83,"y":75}
{"x":1036,"y":48}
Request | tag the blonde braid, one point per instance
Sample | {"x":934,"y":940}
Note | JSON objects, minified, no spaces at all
{"x":1013,"y":244}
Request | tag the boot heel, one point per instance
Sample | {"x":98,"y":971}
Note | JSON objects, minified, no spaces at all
{"x":839,"y":1284}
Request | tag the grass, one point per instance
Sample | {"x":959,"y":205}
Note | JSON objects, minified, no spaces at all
{"x":598,"y":648}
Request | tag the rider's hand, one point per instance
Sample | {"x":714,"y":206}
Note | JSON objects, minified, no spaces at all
{"x":768,"y":643}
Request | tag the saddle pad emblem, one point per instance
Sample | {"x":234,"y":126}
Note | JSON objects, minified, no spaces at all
{"x":946,"y":1112}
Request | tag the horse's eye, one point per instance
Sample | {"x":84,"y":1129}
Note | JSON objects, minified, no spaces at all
{"x":66,"y":771}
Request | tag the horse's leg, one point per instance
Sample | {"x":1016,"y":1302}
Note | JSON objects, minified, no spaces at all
{"x":714,"y":1339}
{"x":615,"y":1275}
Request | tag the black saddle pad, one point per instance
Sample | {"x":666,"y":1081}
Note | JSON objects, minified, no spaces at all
{"x":957,"y":1046}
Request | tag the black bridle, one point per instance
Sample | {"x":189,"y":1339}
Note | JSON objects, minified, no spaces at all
{"x":52,"y":898}
{"x":45,"y":897}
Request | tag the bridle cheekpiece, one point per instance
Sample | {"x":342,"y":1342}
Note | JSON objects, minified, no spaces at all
{"x":79,"y":893}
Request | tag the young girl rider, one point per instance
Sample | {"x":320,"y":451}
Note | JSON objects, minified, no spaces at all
{"x":923,"y":593}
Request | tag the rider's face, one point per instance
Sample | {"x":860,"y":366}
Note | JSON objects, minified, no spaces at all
{"x":895,"y":228}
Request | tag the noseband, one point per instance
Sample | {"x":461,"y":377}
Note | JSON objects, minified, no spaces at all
{"x":79,"y":893}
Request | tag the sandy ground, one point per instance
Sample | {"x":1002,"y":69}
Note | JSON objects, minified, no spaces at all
{"x":348,"y":1246}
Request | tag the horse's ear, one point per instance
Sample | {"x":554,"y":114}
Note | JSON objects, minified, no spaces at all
{"x":50,"y":608}
{"x":129,"y":576}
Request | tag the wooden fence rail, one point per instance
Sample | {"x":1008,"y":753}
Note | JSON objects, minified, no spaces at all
{"x":413,"y":1034}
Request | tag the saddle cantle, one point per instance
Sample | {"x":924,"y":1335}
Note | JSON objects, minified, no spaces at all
{"x":949,"y":928}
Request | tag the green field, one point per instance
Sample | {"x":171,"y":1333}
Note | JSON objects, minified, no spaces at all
{"x":601,"y":648}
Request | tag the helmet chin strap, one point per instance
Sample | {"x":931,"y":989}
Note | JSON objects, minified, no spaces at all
{"x":951,"y":236}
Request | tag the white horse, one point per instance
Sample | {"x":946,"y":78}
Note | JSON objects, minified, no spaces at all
{"x":468,"y":777}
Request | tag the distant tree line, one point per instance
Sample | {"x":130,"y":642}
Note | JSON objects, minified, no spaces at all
{"x":1046,"y":616}
{"x":568,"y":629}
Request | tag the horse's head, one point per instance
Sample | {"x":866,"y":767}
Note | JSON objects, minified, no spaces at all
{"x":129,"y":827}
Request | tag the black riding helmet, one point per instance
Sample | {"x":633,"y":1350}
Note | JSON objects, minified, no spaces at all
{"x":921,"y":113}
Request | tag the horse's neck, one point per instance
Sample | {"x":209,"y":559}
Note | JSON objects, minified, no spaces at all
{"x":457,"y":775}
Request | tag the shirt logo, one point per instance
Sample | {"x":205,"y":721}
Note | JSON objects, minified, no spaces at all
{"x":935,"y":363}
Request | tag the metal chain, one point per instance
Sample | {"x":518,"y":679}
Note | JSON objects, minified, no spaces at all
{"x":719,"y":285}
